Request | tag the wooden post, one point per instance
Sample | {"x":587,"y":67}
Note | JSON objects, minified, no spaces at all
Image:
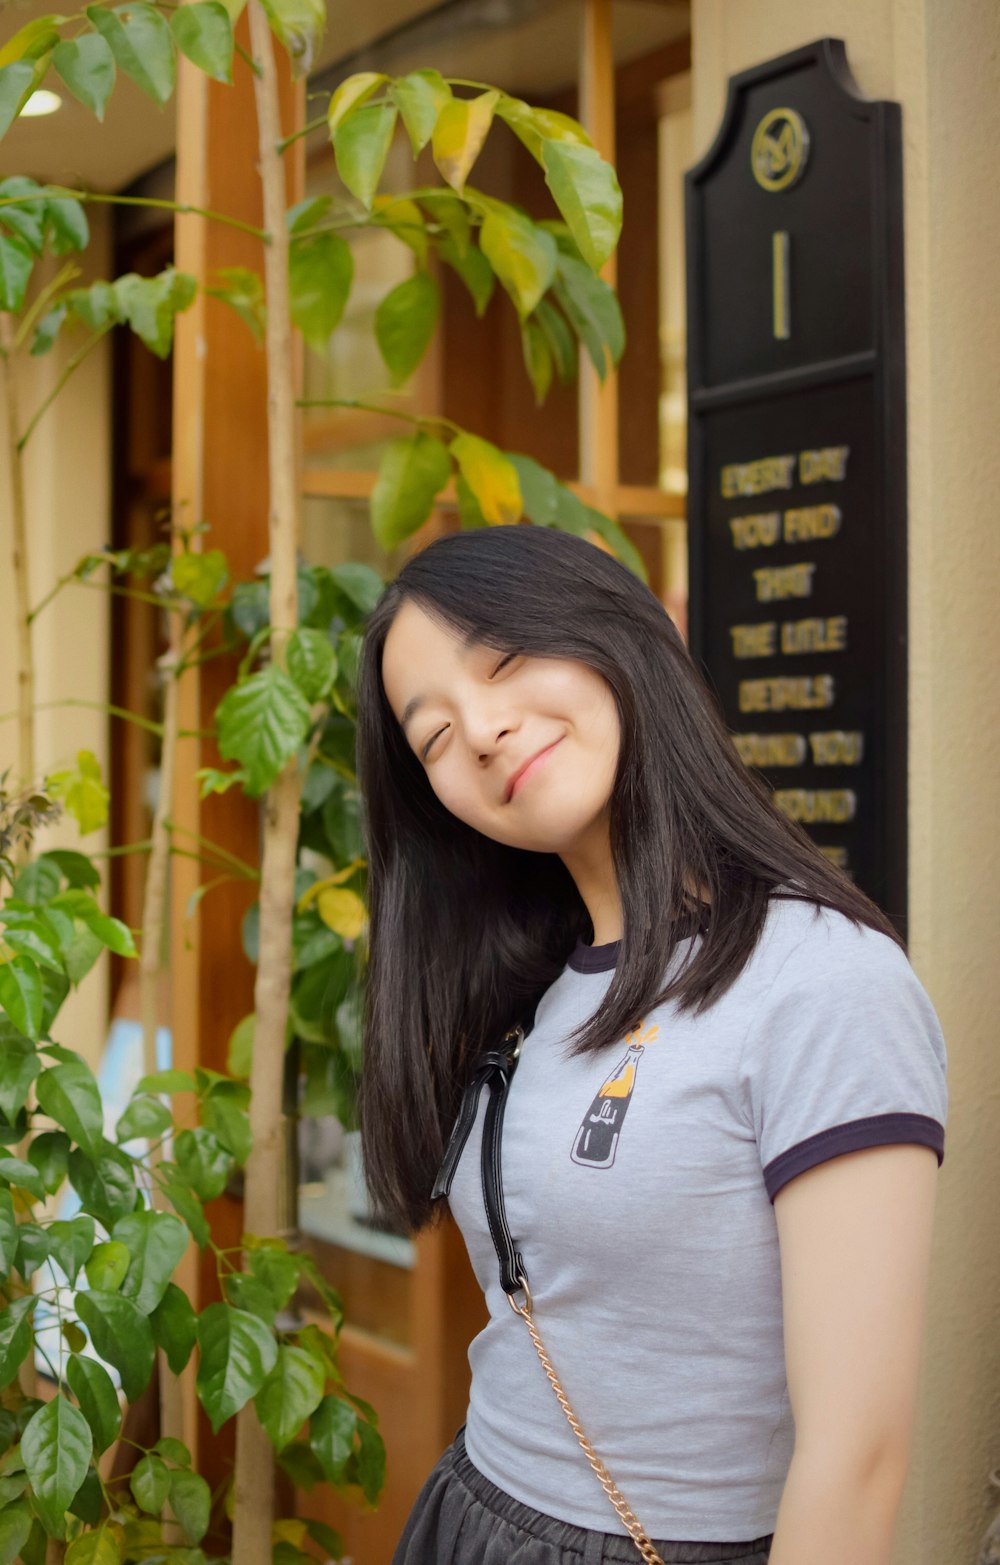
{"x":599,"y":403}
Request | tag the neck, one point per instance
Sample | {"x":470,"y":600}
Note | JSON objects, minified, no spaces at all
{"x":592,"y":868}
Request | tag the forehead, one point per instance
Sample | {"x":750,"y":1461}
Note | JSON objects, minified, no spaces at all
{"x":419,"y":652}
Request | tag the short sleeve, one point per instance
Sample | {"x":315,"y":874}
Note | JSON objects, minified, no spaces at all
{"x":845,"y":1052}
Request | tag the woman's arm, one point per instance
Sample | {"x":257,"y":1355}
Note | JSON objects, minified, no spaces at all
{"x":855,"y":1237}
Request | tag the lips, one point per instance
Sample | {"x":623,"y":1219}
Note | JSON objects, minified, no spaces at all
{"x":516,"y":776}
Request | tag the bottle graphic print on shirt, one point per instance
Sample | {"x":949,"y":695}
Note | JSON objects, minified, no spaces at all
{"x":597,"y":1139}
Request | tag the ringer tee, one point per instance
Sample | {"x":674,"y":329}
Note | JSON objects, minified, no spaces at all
{"x":639,"y":1185}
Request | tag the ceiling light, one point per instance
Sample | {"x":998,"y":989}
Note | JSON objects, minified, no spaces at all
{"x":41,"y":102}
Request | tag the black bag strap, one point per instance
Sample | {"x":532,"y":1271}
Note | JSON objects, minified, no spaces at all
{"x":494,"y":1071}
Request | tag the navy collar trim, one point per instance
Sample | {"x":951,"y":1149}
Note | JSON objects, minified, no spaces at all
{"x":603,"y":959}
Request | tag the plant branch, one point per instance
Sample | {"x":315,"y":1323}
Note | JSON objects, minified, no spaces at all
{"x":66,"y":275}
{"x":144,"y":201}
{"x":375,"y":407}
{"x":71,"y":369}
{"x":19,"y":519}
{"x":96,"y":706}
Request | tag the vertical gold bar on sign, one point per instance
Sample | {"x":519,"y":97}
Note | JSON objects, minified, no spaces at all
{"x":781,"y":303}
{"x":598,"y":418}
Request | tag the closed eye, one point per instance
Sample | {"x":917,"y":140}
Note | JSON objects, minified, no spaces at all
{"x":503,"y":663}
{"x":424,"y":752}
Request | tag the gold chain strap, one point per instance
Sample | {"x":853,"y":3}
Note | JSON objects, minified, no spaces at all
{"x":628,"y":1517}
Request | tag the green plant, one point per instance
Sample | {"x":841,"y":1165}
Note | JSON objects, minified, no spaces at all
{"x":287,"y":727}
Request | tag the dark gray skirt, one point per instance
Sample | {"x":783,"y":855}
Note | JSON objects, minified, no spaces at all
{"x":460,"y":1518}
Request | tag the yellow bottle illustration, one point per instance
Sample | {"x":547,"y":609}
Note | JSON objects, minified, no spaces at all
{"x":597,"y":1139}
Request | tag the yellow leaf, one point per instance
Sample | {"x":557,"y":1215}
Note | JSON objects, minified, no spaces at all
{"x":319,"y":886}
{"x":342,"y":911}
{"x":406,"y":220}
{"x":536,"y":126}
{"x":357,"y":89}
{"x":491,"y":477}
{"x":461,"y":129}
{"x":291,"y":1531}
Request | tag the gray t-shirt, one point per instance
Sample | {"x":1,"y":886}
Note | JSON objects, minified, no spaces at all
{"x":639,"y":1185}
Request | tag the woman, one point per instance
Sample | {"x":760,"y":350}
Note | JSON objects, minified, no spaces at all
{"x":721,"y":1141}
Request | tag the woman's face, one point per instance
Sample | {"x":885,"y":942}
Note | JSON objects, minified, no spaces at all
{"x":524,"y":749}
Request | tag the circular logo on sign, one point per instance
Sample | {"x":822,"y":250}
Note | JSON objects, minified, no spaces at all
{"x":780,"y":149}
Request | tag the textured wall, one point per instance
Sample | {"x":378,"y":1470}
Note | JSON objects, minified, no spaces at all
{"x":941,"y":60}
{"x":68,"y":501}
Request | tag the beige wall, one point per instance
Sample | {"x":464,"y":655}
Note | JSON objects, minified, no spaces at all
{"x":941,"y":60}
{"x":68,"y":500}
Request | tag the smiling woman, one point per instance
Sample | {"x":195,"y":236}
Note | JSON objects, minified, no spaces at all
{"x":563,"y":843}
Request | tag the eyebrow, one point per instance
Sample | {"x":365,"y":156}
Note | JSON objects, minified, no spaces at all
{"x":412,"y":707}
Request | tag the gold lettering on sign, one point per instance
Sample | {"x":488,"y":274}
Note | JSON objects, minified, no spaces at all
{"x":828,"y":465}
{"x":787,"y":694}
{"x":783,"y":581}
{"x":837,"y":855}
{"x":838,"y":747}
{"x":755,"y":532}
{"x":770,"y":749}
{"x":814,"y":635}
{"x":817,"y":806}
{"x":810,"y":522}
{"x":750,"y":478}
{"x":753,"y":641}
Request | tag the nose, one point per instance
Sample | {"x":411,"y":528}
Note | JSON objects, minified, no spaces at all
{"x":488,"y":730}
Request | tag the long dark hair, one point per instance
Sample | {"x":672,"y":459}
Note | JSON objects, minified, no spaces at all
{"x":465,"y":933}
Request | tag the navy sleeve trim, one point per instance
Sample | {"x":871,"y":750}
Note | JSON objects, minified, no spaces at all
{"x":878,"y":1130}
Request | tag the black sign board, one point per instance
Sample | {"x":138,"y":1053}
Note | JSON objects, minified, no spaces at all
{"x":797,"y":450}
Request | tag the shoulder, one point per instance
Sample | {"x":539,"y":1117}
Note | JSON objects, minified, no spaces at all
{"x":803,"y":944}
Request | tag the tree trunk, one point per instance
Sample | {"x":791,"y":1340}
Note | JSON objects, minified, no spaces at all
{"x":254,"y":1510}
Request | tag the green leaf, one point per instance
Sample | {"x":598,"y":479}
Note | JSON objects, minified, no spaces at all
{"x":199,"y":577}
{"x":239,"y":1055}
{"x":16,"y":1522}
{"x":539,"y":489}
{"x":205,"y":1164}
{"x":413,"y":469}
{"x":320,"y":272}
{"x":150,"y":304}
{"x":278,"y":1270}
{"x":96,"y":306}
{"x":351,"y":94}
{"x":361,"y":145}
{"x":420,"y":96}
{"x":371,"y":1462}
{"x":47,"y":331}
{"x":27,"y":218}
{"x":107,"y":1266}
{"x":169,"y":1081}
{"x":144,"y":1116}
{"x":536,"y":127}
{"x":35,"y":938}
{"x":229,"y":1125}
{"x":173,"y":1450}
{"x":74,"y":867}
{"x":14,"y":1171}
{"x":141,"y":44}
{"x":122,"y":1336}
{"x":243,"y":291}
{"x":87,"y":66}
{"x":70,"y":232}
{"x":70,"y":1243}
{"x":149,"y":1483}
{"x":83,"y":792}
{"x":175,"y":1326}
{"x":473,"y":268}
{"x":559,"y":338}
{"x":292,"y":1390}
{"x":331,"y":1435}
{"x":586,"y":191}
{"x":573,"y":516}
{"x":16,"y":81}
{"x":94,"y":1389}
{"x":8,"y":1233}
{"x":298,"y":25}
{"x":69,"y":1094}
{"x":593,"y":311}
{"x":114,"y":934}
{"x":156,"y":1242}
{"x":238,"y":1352}
{"x":191,"y":1503}
{"x":19,"y":1065}
{"x":405,"y":322}
{"x":32,"y":1248}
{"x":537,"y":358}
{"x":20,"y":979}
{"x":105,"y":1185}
{"x":204,"y":32}
{"x":56,"y":1448}
{"x":363,"y":585}
{"x":246,"y":1293}
{"x":15,"y":1336}
{"x":312,"y":663}
{"x":35,"y":39}
{"x":74,"y":1335}
{"x":185,"y":1203}
{"x":491,"y":477}
{"x":459,"y":133}
{"x":522,"y":254}
{"x":261,"y":723}
{"x":94,"y":1548}
{"x":301,"y":1464}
